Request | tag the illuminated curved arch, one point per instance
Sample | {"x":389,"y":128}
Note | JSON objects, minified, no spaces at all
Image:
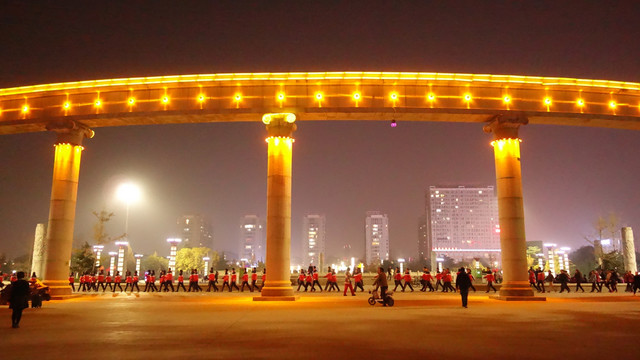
{"x":381,"y":96}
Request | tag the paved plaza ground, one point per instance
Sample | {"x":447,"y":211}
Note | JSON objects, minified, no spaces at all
{"x":325,"y":326}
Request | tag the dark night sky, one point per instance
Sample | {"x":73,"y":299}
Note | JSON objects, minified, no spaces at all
{"x":571,"y":175}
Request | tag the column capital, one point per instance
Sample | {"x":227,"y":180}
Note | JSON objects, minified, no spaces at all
{"x":280,"y":124}
{"x":505,"y":126}
{"x":69,"y":131}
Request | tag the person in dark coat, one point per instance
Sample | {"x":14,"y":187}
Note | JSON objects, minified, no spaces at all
{"x":636,"y":283}
{"x":19,"y":299}
{"x":463,"y":283}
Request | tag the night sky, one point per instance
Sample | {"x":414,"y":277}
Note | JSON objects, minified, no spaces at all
{"x":571,"y":175}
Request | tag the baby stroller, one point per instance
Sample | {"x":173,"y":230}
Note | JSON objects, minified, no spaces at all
{"x":375,"y":298}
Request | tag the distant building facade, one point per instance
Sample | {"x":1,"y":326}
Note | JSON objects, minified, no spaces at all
{"x":424,"y":240}
{"x":252,"y":248}
{"x":314,"y":237}
{"x":463,"y":222}
{"x":195,"y":231}
{"x":376,"y":237}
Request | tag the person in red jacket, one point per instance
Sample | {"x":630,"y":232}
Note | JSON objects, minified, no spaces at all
{"x":234,"y":280}
{"x":301,"y":282}
{"x":447,"y":279}
{"x":254,"y":280}
{"x":163,"y":281}
{"x":540,"y":280}
{"x":225,"y":280}
{"x":397,"y":278}
{"x":426,"y":281}
{"x":94,"y":282}
{"x":315,"y":280}
{"x":357,"y":279}
{"x":439,"y":283}
{"x":81,"y":286}
{"x":245,"y":281}
{"x":13,"y":278}
{"x":490,"y":279}
{"x":101,"y":281}
{"x":128,"y":281}
{"x":328,"y":286}
{"x":152,"y":281}
{"x":181,"y":282}
{"x":334,"y":280}
{"x":72,"y":281}
{"x":309,"y":281}
{"x":168,"y":281}
{"x":196,"y":278}
{"x":135,"y":281}
{"x":471,"y":279}
{"x":2,"y":280}
{"x":407,"y":280}
{"x":532,"y":279}
{"x":347,"y":283}
{"x":264,"y":276}
{"x":116,"y":281}
{"x":109,"y":282}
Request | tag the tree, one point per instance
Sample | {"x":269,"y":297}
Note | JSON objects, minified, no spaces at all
{"x":613,"y":260}
{"x":99,"y":234}
{"x":83,"y":259}
{"x":584,"y":259}
{"x":154,"y":262}
{"x":532,"y":255}
{"x":191,"y":258}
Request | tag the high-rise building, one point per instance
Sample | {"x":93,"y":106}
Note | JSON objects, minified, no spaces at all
{"x":195,"y":231}
{"x":252,"y":249}
{"x":424,"y":244}
{"x":376,"y":232}
{"x":463,"y":222}
{"x":313,"y":229}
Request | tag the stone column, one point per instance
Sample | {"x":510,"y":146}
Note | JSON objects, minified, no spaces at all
{"x":629,"y":250}
{"x":64,"y":189}
{"x":506,"y":147}
{"x":280,"y":128}
{"x":37,"y":264}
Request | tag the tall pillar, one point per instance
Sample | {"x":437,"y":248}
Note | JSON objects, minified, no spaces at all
{"x":629,"y":250}
{"x":506,"y":147}
{"x":280,"y":128}
{"x":62,"y":210}
{"x":37,"y":264}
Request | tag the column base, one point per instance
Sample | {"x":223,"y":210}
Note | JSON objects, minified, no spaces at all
{"x":517,"y":298}
{"x":276,"y":298}
{"x":516,"y":291}
{"x":58,"y":289}
{"x":277,"y":291}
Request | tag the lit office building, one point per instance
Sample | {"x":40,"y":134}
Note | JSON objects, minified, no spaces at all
{"x":194,"y":231}
{"x":313,"y":228}
{"x":463,"y":222}
{"x":252,"y":249}
{"x":376,"y":237}
{"x":424,"y":244}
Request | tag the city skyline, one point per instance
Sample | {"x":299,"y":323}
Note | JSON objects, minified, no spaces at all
{"x":342,"y":169}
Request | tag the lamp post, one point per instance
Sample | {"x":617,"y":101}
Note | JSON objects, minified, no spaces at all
{"x":112,"y":264}
{"x":138,"y":259}
{"x":98,"y":250}
{"x":121,"y":245}
{"x":206,"y":264}
{"x":128,"y":193}
{"x":173,"y":251}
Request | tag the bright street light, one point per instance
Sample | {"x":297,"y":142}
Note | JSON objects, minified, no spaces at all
{"x":128,"y":193}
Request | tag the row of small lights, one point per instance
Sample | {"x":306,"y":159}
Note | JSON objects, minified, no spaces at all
{"x":319,"y":96}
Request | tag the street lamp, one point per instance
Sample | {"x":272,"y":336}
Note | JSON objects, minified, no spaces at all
{"x":112,"y":264}
{"x":128,"y":193}
{"x":121,"y":245}
{"x":206,"y":264}
{"x":173,"y":251}
{"x":98,"y":250}
{"x":138,"y":259}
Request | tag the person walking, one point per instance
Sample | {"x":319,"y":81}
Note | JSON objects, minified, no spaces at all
{"x":254,"y":280}
{"x":470,"y":278}
{"x":168,"y":281}
{"x":109,"y":281}
{"x":628,"y":279}
{"x":72,"y":280}
{"x":550,"y":279}
{"x":636,"y":283}
{"x":578,"y":276}
{"x":334,"y":281}
{"x":426,"y":281}
{"x":439,"y":281}
{"x":315,"y":280}
{"x":212,"y":282}
{"x":532,"y":279}
{"x":181,"y":282}
{"x":101,"y":281}
{"x":301,"y":280}
{"x":448,"y":278}
{"x":18,"y":299}
{"x":245,"y":281}
{"x":309,"y":280}
{"x":490,"y":279}
{"x":328,"y":283}
{"x":116,"y":281}
{"x":357,"y":278}
{"x":463,"y":283}
{"x":225,"y":280}
{"x":347,"y":283}
{"x":128,"y":281}
{"x":152,"y":282}
{"x":135,"y":281}
{"x":593,"y":279}
{"x":564,"y":280}
{"x":613,"y":281}
{"x":407,"y":280}
{"x":397,"y":279}
{"x":540,"y":280}
{"x":234,"y":280}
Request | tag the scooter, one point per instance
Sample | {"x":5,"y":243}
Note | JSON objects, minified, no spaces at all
{"x":375,"y":298}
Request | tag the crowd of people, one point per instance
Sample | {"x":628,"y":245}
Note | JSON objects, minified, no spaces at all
{"x":598,"y":279}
